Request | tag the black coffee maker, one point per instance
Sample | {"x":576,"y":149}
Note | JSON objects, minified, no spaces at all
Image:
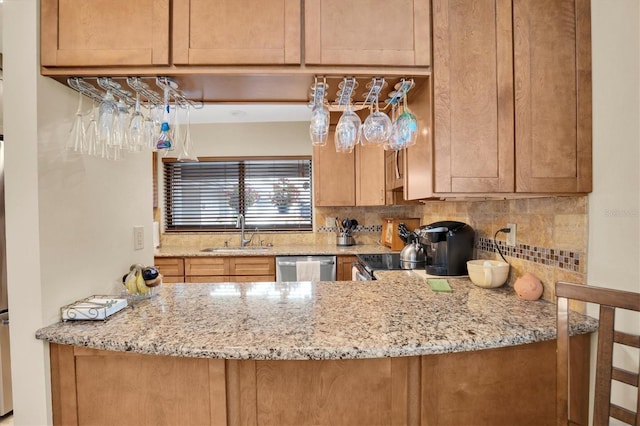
{"x":447,"y":246}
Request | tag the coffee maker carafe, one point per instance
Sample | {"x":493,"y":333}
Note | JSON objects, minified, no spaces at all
{"x":447,"y":246}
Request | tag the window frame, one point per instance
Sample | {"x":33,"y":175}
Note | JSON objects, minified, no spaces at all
{"x":308,"y":227}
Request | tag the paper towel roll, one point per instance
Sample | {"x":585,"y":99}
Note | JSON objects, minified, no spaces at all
{"x":156,"y":234}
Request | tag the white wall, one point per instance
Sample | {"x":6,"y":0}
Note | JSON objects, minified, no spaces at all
{"x":69,"y":219}
{"x":614,"y":205}
{"x":257,"y":139}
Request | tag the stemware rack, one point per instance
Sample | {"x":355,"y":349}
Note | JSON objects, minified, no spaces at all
{"x":347,"y":91}
{"x":139,"y":86}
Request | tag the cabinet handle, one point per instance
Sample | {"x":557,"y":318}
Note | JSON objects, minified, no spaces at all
{"x":289,"y":263}
{"x":397,"y":158}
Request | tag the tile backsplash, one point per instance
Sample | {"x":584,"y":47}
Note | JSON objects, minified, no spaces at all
{"x":551,"y":232}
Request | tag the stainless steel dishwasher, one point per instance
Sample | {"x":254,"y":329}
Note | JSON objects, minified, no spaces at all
{"x":287,"y":267}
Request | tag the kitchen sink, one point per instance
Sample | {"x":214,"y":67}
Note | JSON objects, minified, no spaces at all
{"x":247,"y":249}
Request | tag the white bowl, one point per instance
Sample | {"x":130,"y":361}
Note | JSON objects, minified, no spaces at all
{"x":488,"y":273}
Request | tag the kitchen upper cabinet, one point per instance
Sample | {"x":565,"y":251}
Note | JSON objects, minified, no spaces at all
{"x":370,"y":176}
{"x":473,"y":96}
{"x":367,"y":32}
{"x":348,"y":179}
{"x":418,"y":159}
{"x":104,"y":33}
{"x":333,"y":176}
{"x":236,"y":32}
{"x":394,"y":169}
{"x":511,"y":84}
{"x":552,"y":63}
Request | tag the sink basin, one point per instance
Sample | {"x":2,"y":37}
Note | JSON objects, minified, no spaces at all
{"x":249,"y":249}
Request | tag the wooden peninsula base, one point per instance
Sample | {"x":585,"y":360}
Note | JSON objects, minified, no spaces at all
{"x":507,"y":386}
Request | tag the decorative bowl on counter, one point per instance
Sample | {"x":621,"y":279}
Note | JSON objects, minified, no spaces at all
{"x":146,"y":294}
{"x":142,"y":282}
{"x":488,"y":273}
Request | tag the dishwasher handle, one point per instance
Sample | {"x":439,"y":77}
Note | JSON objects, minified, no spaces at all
{"x":291,"y":263}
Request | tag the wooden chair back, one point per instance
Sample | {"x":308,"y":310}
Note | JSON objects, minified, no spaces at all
{"x":609,"y":300}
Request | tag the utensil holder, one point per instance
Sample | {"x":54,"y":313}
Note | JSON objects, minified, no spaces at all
{"x":345,"y":240}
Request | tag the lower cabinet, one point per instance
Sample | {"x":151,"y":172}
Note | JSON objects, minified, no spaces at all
{"x":236,"y":269}
{"x":514,"y":385}
{"x":216,"y":269}
{"x":345,"y":264}
{"x":171,"y":268}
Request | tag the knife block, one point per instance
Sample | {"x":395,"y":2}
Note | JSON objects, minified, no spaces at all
{"x":390,"y":236}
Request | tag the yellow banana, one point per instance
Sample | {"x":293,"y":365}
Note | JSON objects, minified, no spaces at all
{"x":142,"y":287}
{"x":131,"y":284}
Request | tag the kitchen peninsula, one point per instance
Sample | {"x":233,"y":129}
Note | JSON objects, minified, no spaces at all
{"x":315,"y":353}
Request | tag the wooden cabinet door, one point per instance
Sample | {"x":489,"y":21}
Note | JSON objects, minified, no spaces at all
{"x":418,"y":159}
{"x":473,"y":96}
{"x":220,"y":32}
{"x":345,"y":265}
{"x":394,"y":169}
{"x":206,"y":266}
{"x":333,"y":176}
{"x":208,"y":279}
{"x":253,"y":265}
{"x":370,"y":176}
{"x":367,"y":32}
{"x":552,"y":66}
{"x":104,"y":32}
{"x":170,"y":266}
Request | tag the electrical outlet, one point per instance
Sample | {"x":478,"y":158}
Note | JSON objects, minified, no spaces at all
{"x":330,"y":221}
{"x":511,"y":236}
{"x":138,"y":237}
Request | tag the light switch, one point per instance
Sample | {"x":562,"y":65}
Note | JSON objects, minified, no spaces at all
{"x":138,"y":237}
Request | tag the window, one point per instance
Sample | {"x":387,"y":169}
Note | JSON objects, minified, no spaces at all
{"x":271,"y":193}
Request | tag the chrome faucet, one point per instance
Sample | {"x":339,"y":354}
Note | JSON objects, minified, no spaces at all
{"x":240,"y":224}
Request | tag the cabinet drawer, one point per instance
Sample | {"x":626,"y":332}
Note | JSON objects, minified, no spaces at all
{"x":206,"y":266}
{"x":252,"y":265}
{"x":207,"y":279}
{"x":252,"y":278}
{"x":172,"y":279}
{"x":170,"y":266}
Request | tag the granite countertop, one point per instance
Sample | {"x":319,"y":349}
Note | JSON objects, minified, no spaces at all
{"x":277,"y":250}
{"x":397,"y":315}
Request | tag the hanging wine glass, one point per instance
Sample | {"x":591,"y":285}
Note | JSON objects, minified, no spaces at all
{"x":319,"y":127}
{"x":348,"y":131}
{"x":91,"y":134}
{"x":394,"y":143}
{"x":76,"y":138}
{"x":164,"y":140}
{"x":121,"y":134}
{"x":149,"y":128}
{"x":136,"y":128}
{"x":376,"y":128}
{"x":108,"y":111}
{"x":407,"y":125}
{"x":187,"y":153}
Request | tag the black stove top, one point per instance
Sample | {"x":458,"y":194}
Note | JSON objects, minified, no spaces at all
{"x":380,"y":261}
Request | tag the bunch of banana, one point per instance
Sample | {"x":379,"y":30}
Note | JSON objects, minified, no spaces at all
{"x":140,"y":279}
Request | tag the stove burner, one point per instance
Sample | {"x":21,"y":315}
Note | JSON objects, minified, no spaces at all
{"x":380,"y":261}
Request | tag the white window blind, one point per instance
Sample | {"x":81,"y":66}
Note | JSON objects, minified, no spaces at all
{"x":272,"y":194}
